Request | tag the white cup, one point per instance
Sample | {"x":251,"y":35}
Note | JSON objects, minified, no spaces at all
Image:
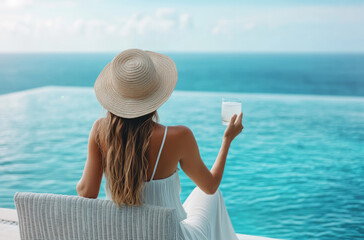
{"x":229,"y":107}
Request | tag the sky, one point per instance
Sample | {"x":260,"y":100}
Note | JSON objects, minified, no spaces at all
{"x":182,"y":26}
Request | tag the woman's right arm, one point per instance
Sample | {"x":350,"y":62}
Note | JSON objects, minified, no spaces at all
{"x":192,"y":164}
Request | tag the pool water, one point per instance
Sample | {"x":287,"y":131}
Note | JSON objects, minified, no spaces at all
{"x":295,"y":172}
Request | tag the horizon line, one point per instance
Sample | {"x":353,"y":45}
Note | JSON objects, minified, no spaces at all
{"x":190,"y":52}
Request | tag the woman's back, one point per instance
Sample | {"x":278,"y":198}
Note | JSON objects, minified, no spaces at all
{"x":162,"y":192}
{"x":170,"y":154}
{"x":170,"y":151}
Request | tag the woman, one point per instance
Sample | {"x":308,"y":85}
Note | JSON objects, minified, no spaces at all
{"x":139,"y":157}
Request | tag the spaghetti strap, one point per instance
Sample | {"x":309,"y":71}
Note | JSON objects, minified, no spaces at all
{"x":159,"y":154}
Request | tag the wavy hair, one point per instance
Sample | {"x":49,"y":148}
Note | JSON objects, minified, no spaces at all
{"x":125,"y":144}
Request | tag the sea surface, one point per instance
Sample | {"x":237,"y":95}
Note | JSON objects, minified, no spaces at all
{"x":296,"y":171}
{"x":319,"y":74}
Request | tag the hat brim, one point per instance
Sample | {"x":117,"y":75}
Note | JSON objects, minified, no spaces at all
{"x":131,"y":108}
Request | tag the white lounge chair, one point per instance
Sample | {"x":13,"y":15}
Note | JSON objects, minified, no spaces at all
{"x":53,"y":216}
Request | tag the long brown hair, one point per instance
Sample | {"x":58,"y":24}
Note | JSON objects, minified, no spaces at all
{"x":126,"y":142}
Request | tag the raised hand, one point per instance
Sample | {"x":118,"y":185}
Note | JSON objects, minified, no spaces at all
{"x":235,"y":127}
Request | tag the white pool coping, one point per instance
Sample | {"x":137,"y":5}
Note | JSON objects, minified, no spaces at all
{"x":9,"y":228}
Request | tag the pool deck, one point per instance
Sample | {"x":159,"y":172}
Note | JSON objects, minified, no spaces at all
{"x":9,"y":228}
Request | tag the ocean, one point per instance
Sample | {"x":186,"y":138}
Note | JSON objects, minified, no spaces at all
{"x":319,"y":74}
{"x":295,"y":172}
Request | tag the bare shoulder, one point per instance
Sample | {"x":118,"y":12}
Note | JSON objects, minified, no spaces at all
{"x":99,"y":121}
{"x":178,"y":139}
{"x":96,"y":132}
{"x":97,"y":124}
{"x":179,"y":130}
{"x":97,"y":135}
{"x":180,"y":133}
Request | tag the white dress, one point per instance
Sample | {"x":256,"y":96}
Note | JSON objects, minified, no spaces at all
{"x":202,"y":216}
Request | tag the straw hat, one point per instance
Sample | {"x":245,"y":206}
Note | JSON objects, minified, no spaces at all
{"x":136,"y":83}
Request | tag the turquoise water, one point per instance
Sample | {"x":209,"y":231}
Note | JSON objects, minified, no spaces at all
{"x":296,"y":171}
{"x":319,"y":74}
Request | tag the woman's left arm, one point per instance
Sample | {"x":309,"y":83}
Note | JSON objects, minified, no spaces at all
{"x":89,"y":184}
